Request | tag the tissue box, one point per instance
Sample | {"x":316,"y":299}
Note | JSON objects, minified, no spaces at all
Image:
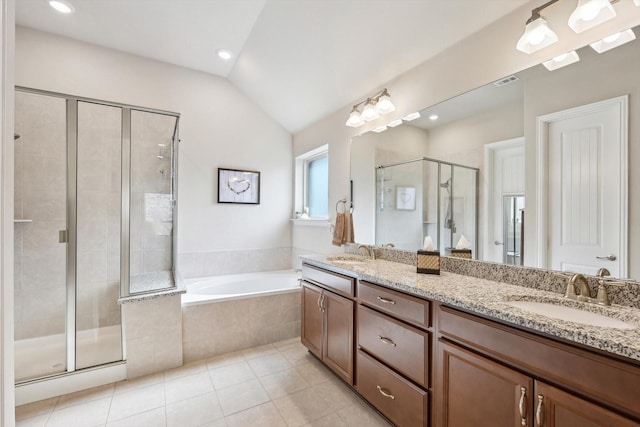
{"x":461,"y":253}
{"x":428,"y":262}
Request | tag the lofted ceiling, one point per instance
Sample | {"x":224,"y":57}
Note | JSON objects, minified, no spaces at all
{"x":300,"y":60}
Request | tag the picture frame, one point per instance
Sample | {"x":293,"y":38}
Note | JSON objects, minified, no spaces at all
{"x":405,"y":198}
{"x":238,"y":186}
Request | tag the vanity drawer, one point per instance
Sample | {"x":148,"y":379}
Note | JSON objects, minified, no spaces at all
{"x":402,"y":347}
{"x":411,"y":309}
{"x":336,"y":282}
{"x":399,"y":400}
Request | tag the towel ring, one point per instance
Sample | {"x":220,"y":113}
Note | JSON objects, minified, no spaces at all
{"x":343,"y":203}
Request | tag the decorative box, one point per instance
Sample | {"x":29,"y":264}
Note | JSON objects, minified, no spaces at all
{"x":428,"y":262}
{"x":461,"y":253}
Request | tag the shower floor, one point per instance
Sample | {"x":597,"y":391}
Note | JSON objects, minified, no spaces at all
{"x":44,"y":356}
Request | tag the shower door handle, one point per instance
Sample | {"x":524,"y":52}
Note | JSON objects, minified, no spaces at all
{"x":63,"y":236}
{"x":498,"y":243}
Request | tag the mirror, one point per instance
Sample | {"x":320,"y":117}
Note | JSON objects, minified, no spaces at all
{"x":494,"y":129}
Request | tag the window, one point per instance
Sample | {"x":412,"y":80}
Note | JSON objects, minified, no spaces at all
{"x":312,"y":184}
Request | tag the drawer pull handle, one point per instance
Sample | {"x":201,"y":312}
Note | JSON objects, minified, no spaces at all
{"x":386,"y":300}
{"x":386,"y":340}
{"x":385,"y":393}
{"x":540,"y":411}
{"x":522,"y":406}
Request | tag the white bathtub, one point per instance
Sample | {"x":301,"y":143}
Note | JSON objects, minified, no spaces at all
{"x":237,"y":286}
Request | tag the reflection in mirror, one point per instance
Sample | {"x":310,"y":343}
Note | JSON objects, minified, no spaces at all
{"x":495,"y":129}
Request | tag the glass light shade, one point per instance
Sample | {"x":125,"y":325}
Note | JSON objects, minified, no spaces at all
{"x":613,"y":40}
{"x":384,"y":104}
{"x":637,"y":2}
{"x":369,"y":112}
{"x":590,"y":13}
{"x":394,"y":123}
{"x":411,"y":116}
{"x":379,"y":129}
{"x":537,"y":35}
{"x":354,"y":120}
{"x":61,"y":6}
{"x":561,"y":60}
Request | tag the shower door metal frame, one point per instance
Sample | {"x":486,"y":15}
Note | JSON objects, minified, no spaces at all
{"x":72,"y":202}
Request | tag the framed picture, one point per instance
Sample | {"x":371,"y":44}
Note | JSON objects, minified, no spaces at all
{"x":238,"y":186}
{"x":405,"y":198}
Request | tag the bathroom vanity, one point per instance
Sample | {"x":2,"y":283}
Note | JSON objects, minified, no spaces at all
{"x":450,"y":350}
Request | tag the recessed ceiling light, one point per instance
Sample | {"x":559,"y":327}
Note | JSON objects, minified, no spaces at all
{"x":61,"y":6}
{"x":433,"y":117}
{"x":224,"y":54}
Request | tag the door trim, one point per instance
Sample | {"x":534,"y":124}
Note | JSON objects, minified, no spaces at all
{"x":487,"y":188}
{"x":542,"y":174}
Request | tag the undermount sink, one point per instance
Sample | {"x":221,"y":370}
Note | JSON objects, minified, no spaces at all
{"x":348,"y":259}
{"x":562,"y":312}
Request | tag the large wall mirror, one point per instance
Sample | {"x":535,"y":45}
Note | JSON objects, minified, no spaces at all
{"x":554,"y":153}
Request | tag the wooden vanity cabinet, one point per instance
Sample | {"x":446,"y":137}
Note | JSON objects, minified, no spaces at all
{"x":393,"y":356}
{"x":327,"y":319}
{"x":489,"y":374}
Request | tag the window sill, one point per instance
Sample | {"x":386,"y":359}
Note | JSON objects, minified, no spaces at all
{"x":311,"y":222}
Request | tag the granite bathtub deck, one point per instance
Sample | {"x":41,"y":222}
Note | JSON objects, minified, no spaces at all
{"x":489,"y":298}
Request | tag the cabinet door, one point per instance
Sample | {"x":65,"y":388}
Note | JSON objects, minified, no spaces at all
{"x":338,"y":350}
{"x":556,"y":408}
{"x":481,"y":393}
{"x":312,"y":319}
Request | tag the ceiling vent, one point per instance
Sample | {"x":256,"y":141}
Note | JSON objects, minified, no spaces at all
{"x":506,"y":81}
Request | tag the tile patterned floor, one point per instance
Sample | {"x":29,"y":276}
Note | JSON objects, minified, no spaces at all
{"x":274,"y":385}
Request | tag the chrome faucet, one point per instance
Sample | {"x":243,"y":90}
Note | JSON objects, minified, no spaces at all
{"x":368,"y":250}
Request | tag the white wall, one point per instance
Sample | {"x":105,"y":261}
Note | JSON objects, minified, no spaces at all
{"x":219,"y":127}
{"x":483,"y":58}
{"x":7,"y":393}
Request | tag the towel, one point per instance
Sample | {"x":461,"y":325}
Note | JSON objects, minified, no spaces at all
{"x":339,"y":229}
{"x":343,"y":229}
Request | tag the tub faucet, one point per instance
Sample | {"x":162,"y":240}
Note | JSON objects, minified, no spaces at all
{"x":368,"y":250}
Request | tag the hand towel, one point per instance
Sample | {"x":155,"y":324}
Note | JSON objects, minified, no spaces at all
{"x":339,"y":229}
{"x":349,"y":235}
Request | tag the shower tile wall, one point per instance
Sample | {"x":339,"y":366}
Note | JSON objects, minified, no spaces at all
{"x":151,"y":193}
{"x":40,"y":195}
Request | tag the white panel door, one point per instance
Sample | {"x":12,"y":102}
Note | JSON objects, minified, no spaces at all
{"x":585,"y":191}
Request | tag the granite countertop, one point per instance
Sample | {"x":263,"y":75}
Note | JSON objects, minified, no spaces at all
{"x":490,"y":298}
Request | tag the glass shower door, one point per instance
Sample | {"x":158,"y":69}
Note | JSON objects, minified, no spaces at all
{"x":40,"y":261}
{"x":99,"y":204}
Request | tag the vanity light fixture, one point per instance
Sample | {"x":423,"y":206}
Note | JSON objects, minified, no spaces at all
{"x":224,"y":54}
{"x":561,"y":60}
{"x":379,"y":129}
{"x":614,"y":40}
{"x":590,"y":13}
{"x":372,"y":108}
{"x":61,"y":6}
{"x":637,"y":2}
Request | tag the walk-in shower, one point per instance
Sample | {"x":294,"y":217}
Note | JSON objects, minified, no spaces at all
{"x":426,"y":197}
{"x":94,"y":221}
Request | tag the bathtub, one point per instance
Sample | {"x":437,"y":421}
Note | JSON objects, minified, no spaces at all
{"x":222,"y":314}
{"x":236,"y":286}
